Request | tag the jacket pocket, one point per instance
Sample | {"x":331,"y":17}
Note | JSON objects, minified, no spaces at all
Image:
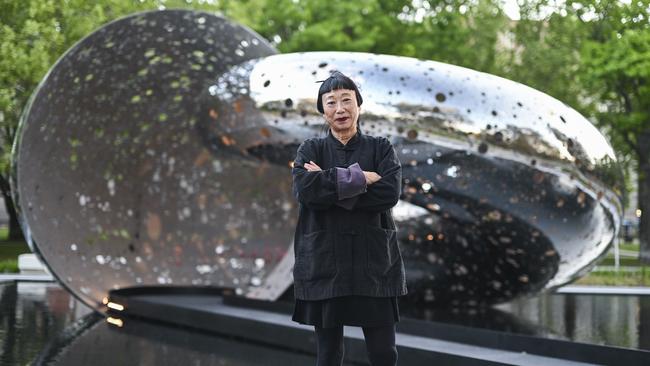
{"x":315,"y":257}
{"x":383,"y":251}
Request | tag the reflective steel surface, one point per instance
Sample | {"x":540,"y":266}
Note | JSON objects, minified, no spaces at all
{"x":507,"y":191}
{"x":165,"y":158}
{"x":116,"y":181}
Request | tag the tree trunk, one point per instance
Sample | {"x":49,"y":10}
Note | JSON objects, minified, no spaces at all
{"x":644,"y":323}
{"x":643,"y":143}
{"x":15,"y":232}
{"x":644,"y":206}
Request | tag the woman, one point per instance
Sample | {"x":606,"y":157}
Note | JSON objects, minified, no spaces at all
{"x":348,"y":268}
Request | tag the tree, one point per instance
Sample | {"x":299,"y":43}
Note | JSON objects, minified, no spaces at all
{"x":594,"y":56}
{"x":614,"y":69}
{"x":618,"y":68}
{"x":312,"y":25}
{"x":472,"y":34}
{"x":546,"y":53}
{"x":462,"y":32}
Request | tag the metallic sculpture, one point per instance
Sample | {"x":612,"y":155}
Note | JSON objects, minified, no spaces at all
{"x":157,"y":151}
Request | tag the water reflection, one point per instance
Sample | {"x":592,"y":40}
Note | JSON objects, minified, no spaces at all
{"x":612,"y":320}
{"x":144,"y":343}
{"x":42,"y":324}
{"x":622,"y":321}
{"x":31,"y":315}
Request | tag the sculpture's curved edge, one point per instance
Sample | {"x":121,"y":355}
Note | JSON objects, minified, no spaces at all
{"x":612,"y":203}
{"x":15,"y":150}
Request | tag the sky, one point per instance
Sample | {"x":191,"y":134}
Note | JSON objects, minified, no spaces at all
{"x":511,"y":9}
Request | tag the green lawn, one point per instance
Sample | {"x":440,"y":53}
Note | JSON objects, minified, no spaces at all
{"x":630,"y":246}
{"x":9,"y":266}
{"x":628,"y":261}
{"x":621,"y":278}
{"x":639,"y":278}
{"x":623,"y":261}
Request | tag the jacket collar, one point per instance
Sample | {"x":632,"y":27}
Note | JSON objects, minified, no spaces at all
{"x":352,"y":143}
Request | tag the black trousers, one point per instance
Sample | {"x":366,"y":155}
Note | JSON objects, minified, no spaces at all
{"x":380,"y":344}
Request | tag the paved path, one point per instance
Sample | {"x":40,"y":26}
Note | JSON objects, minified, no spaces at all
{"x":604,"y":290}
{"x":7,"y":277}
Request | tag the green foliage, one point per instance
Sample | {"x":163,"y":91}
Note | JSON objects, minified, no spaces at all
{"x":615,"y":69}
{"x":310,"y":25}
{"x":546,"y":54}
{"x":465,"y":33}
{"x":33,"y":35}
{"x":8,"y":266}
{"x":592,"y":55}
{"x":618,"y":69}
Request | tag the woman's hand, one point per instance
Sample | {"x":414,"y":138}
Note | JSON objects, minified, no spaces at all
{"x":371,"y":177}
{"x":313,"y":167}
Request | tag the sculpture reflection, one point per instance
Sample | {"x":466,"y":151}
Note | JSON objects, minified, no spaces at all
{"x":138,"y":342}
{"x":164,"y":159}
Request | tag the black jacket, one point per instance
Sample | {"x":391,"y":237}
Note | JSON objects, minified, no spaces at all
{"x":345,"y":241}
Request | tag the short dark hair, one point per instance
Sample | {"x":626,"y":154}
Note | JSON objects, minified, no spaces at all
{"x":336,"y":81}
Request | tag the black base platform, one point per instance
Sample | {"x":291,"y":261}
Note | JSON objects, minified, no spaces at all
{"x":419,"y":342}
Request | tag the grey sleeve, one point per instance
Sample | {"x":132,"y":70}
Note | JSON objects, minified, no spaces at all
{"x":350,"y":181}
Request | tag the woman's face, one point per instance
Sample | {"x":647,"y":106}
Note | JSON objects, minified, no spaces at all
{"x":340,"y":110}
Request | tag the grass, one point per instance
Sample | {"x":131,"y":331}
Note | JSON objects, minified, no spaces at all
{"x":9,"y":266}
{"x":626,"y":261}
{"x":613,"y":278}
{"x":640,"y":277}
{"x":630,"y":246}
{"x":623,"y":261}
